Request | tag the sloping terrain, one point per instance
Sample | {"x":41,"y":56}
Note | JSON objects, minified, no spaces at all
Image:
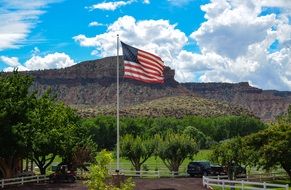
{"x":178,"y":106}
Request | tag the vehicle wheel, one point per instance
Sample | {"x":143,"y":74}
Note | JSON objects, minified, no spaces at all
{"x":71,"y":179}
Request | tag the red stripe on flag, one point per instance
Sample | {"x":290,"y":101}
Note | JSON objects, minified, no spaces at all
{"x":149,"y":64}
{"x":130,"y":66}
{"x":142,"y":75}
{"x":144,"y":80}
{"x":157,"y":57}
{"x":130,"y":69}
{"x":157,"y":62}
{"x":143,"y":69}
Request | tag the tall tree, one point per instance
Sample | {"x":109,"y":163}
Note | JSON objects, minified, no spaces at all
{"x":137,"y":149}
{"x":273,"y":144}
{"x":197,"y":135}
{"x":49,"y":131}
{"x":232,"y":153}
{"x":15,"y":101}
{"x":174,"y":148}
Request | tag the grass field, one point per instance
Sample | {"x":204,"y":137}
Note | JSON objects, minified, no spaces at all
{"x":155,"y":163}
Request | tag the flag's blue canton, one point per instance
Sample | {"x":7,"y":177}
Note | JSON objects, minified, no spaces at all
{"x":129,"y":53}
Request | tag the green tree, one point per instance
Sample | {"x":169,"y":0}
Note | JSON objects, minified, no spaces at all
{"x":49,"y":131}
{"x":82,"y":147}
{"x":15,"y":102}
{"x":98,"y":175}
{"x":102,"y":130}
{"x":273,"y":144}
{"x":231,"y":153}
{"x":137,"y":149}
{"x":197,"y":135}
{"x":174,"y":148}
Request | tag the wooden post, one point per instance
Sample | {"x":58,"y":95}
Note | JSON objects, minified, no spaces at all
{"x":26,"y":164}
{"x":31,"y":165}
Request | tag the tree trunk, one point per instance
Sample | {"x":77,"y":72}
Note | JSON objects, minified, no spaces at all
{"x":287,"y":168}
{"x":175,"y":168}
{"x":42,"y":170}
{"x":137,"y":168}
{"x":8,"y":166}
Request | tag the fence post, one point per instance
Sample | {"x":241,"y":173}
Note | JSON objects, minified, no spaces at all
{"x":287,"y":186}
{"x":265,"y":185}
{"x":223,"y":185}
{"x":22,"y":180}
{"x":2,"y":183}
{"x":218,"y":177}
{"x":242,"y":184}
{"x":207,"y":182}
{"x":159,"y":173}
{"x":37,"y":179}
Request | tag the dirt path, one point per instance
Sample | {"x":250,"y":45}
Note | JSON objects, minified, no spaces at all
{"x":141,"y":184}
{"x":169,"y":184}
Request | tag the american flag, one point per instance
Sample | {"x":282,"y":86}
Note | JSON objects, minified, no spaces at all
{"x":141,"y":65}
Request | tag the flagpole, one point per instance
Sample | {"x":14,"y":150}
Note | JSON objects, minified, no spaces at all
{"x":117,"y":106}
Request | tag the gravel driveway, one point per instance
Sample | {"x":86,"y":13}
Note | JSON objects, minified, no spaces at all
{"x":141,"y":184}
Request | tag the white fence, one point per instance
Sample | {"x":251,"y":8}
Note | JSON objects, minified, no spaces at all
{"x":215,"y":181}
{"x":149,"y":173}
{"x":22,"y":180}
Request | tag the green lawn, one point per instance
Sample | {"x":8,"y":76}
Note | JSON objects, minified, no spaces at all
{"x":155,"y":163}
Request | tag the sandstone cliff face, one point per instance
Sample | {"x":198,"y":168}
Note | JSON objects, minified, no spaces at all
{"x":265,"y":104}
{"x":93,"y":84}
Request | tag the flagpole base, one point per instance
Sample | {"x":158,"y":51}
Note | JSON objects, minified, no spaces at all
{"x":118,"y":178}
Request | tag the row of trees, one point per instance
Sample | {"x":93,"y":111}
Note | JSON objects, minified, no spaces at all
{"x":172,"y":148}
{"x":38,"y":128}
{"x":266,"y":149}
{"x":207,"y":130}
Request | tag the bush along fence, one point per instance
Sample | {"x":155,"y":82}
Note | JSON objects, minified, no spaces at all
{"x":216,"y":181}
{"x":22,"y":180}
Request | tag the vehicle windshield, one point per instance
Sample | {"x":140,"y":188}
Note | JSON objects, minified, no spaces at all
{"x":205,"y":164}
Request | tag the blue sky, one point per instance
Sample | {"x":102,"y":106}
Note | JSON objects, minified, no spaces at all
{"x":203,"y":40}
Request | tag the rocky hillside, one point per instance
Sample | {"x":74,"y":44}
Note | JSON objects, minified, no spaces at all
{"x":177,"y":106}
{"x":265,"y":104}
{"x":91,"y":85}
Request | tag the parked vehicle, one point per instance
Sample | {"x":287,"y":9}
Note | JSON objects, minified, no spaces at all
{"x":62,"y":174}
{"x":204,"y":168}
{"x":240,"y":171}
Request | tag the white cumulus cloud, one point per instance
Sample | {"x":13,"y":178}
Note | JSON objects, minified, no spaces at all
{"x":95,"y":23}
{"x":235,"y":43}
{"x":156,"y":36}
{"x":51,"y":61}
{"x":110,"y":6}
{"x":11,"y":61}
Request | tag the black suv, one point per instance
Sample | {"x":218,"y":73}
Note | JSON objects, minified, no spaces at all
{"x":204,"y":168}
